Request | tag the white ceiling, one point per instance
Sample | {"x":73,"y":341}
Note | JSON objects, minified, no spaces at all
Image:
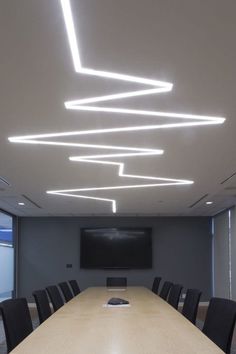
{"x":189,"y":43}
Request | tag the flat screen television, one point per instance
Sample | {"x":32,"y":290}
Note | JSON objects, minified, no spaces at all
{"x":116,"y":248}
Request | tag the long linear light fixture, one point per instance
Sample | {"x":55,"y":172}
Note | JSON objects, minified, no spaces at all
{"x":120,"y":165}
{"x":160,"y":86}
{"x":84,"y":105}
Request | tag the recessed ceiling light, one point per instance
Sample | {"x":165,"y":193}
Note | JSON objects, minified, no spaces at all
{"x":21,"y":203}
{"x":209,"y":203}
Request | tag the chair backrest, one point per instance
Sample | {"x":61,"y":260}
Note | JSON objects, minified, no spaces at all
{"x":165,"y":290}
{"x":155,"y":285}
{"x":190,"y":306}
{"x":174,"y":295}
{"x":16,"y":320}
{"x":66,"y":291}
{"x":42,"y":303}
{"x":220,"y":321}
{"x":74,"y":286}
{"x":55,"y":297}
{"x":116,"y":282}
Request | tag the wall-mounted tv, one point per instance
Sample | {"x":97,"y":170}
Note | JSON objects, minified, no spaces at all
{"x":116,"y":248}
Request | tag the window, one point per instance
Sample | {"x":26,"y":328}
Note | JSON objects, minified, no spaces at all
{"x":6,"y":256}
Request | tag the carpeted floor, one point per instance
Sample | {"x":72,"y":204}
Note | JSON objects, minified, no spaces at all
{"x":33,"y":312}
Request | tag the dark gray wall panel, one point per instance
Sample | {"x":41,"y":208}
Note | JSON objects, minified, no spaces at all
{"x":181,"y":252}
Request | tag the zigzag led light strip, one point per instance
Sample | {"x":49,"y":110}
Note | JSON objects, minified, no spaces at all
{"x":160,"y":86}
{"x":120,"y":165}
{"x":82,"y":104}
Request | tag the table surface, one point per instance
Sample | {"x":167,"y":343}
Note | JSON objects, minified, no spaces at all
{"x":148,"y":326}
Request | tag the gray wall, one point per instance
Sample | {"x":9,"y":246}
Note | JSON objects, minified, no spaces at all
{"x":181,"y":252}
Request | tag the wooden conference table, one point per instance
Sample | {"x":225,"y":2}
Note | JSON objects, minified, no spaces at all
{"x":148,"y":326}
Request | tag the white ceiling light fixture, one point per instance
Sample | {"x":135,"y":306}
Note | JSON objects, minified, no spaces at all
{"x":36,"y":138}
{"x":133,"y":151}
{"x":209,"y":203}
{"x":186,"y":120}
{"x":120,"y":165}
{"x":71,"y":192}
{"x":67,"y":193}
{"x":21,"y":203}
{"x":160,"y":86}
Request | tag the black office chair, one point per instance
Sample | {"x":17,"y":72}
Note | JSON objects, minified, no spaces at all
{"x":191,"y":304}
{"x":174,"y":295}
{"x":220,"y":321}
{"x":16,"y":320}
{"x":42,"y":303}
{"x":155,"y":285}
{"x":66,"y":291}
{"x":55,"y":297}
{"x":165,"y":289}
{"x":75,"y":287}
{"x":117,"y":282}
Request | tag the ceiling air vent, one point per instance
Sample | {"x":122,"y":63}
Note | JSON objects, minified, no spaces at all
{"x":198,"y":201}
{"x":31,"y":201}
{"x":4,"y":181}
{"x":228,"y":178}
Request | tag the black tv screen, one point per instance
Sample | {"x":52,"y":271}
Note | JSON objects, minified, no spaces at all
{"x":116,"y":248}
